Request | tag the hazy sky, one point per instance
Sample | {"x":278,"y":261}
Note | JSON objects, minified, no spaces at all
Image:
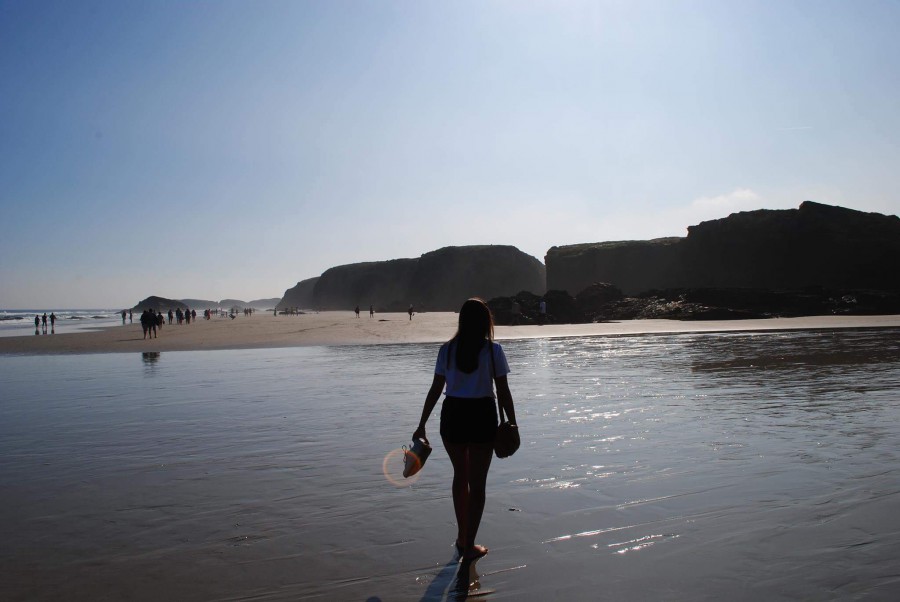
{"x":230,"y":149}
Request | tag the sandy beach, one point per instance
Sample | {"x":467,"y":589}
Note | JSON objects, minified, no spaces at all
{"x":263,"y":330}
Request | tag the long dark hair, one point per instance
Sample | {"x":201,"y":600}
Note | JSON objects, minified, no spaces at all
{"x":476,"y":325}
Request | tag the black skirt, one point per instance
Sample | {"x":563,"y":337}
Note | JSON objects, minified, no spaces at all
{"x":469,"y":420}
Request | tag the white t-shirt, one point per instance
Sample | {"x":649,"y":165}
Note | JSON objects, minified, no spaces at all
{"x":480,"y":383}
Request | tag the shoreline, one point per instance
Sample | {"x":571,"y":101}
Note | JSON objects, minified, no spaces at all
{"x":263,"y":331}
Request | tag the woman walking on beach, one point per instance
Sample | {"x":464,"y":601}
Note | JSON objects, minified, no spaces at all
{"x":469,"y":364}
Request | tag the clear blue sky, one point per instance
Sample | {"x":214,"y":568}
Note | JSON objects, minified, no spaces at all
{"x":230,"y":149}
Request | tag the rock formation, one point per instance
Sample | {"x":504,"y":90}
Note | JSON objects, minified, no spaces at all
{"x":445,"y":278}
{"x":299,"y":296}
{"x":197,"y":303}
{"x":384,"y":284}
{"x":437,"y":281}
{"x":240,"y":304}
{"x":201,"y":304}
{"x":159,"y":304}
{"x":815,"y":245}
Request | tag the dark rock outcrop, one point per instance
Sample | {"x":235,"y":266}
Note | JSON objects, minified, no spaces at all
{"x":267,"y":303}
{"x":815,"y":245}
{"x":595,"y":298}
{"x":632,"y":266}
{"x":437,"y":281}
{"x":159,"y":304}
{"x":736,"y":304}
{"x":600,"y":303}
{"x":201,"y":304}
{"x":204,"y":303}
{"x":228,"y":304}
{"x":521,"y":308}
{"x":384,"y":284}
{"x":445,"y":278}
{"x":524,"y":308}
{"x":299,"y":296}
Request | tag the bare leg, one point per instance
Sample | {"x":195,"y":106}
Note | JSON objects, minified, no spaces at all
{"x":470,"y":468}
{"x":459,"y":457}
{"x":480,"y":456}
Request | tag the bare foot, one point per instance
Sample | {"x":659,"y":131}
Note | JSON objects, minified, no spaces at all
{"x":474,"y":553}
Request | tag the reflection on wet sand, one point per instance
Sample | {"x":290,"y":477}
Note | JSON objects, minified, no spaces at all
{"x":650,"y":469}
{"x":457,"y":580}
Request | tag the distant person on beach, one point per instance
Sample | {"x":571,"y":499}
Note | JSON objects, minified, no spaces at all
{"x":52,"y":322}
{"x":130,"y":317}
{"x":44,"y":321}
{"x":160,"y":320}
{"x":124,"y":313}
{"x":357,"y":311}
{"x":371,"y":311}
{"x":171,"y":316}
{"x":145,"y":323}
{"x":410,"y":311}
{"x":37,"y":323}
{"x":194,"y":315}
{"x":470,"y":364}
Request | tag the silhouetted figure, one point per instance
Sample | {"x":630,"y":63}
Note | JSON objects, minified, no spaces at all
{"x":470,"y":365}
{"x":357,"y":311}
{"x":124,"y":313}
{"x":371,"y":311}
{"x":194,"y":315}
{"x":145,"y":323}
{"x":37,"y":324}
{"x":44,"y":322}
{"x":171,"y":317}
{"x":130,"y":317}
{"x":52,"y":323}
{"x":410,"y":311}
{"x":160,"y":320}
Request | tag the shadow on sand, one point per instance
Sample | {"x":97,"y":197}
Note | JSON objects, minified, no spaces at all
{"x":456,"y":581}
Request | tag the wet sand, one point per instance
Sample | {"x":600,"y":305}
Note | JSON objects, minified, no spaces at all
{"x":263,"y":330}
{"x":736,"y":467}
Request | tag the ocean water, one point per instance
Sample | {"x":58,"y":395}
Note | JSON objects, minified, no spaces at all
{"x":759,"y":466}
{"x":19,"y":322}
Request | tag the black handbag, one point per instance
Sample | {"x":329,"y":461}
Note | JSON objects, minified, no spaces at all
{"x":507,"y":440}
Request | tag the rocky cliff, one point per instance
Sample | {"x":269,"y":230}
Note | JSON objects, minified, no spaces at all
{"x":445,"y":278}
{"x":299,"y":296}
{"x":437,"y":281}
{"x":384,"y":284}
{"x":633,"y":266}
{"x":815,"y":245}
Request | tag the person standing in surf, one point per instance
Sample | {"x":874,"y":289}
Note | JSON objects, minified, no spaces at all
{"x":469,"y":364}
